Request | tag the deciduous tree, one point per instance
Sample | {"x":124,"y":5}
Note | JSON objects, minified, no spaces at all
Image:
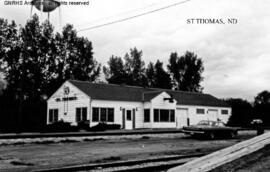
{"x":115,"y":72}
{"x":131,"y":71}
{"x":135,"y":68}
{"x":35,"y":61}
{"x":161,"y":77}
{"x":151,"y":75}
{"x":186,"y":71}
{"x":242,"y":112}
{"x":262,"y":107}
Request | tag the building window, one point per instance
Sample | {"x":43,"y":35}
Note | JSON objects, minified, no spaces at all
{"x":156,"y":115}
{"x":95,"y":115}
{"x":53,"y":115}
{"x":200,"y":111}
{"x":172,"y":116}
{"x":81,"y":114}
{"x":224,"y":112}
{"x":110,"y":115}
{"x":146,"y":115}
{"x":128,"y":115}
{"x":102,"y":114}
{"x":164,"y":115}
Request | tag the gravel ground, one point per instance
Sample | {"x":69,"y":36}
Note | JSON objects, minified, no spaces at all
{"x":7,"y":142}
{"x":27,"y":155}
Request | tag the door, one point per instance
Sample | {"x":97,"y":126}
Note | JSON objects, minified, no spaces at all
{"x":182,"y":118}
{"x":212,"y":115}
{"x":128,"y":118}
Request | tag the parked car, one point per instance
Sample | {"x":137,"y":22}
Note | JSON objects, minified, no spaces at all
{"x":211,"y":129}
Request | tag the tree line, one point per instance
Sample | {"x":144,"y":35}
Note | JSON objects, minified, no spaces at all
{"x":183,"y":72}
{"x":243,"y":112}
{"x":35,"y":60}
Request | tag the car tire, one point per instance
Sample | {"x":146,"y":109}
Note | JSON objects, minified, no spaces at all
{"x":233,"y":134}
{"x":212,"y":136}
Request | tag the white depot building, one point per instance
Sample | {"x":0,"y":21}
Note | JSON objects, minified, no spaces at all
{"x":132,"y":107}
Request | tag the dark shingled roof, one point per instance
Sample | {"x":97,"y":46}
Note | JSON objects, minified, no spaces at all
{"x":133,"y":93}
{"x":149,"y":95}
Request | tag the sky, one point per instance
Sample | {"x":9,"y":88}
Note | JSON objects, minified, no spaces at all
{"x":236,"y":56}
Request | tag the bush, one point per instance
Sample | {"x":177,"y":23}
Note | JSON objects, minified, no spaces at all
{"x":104,"y":126}
{"x":60,"y":126}
{"x":113,"y":126}
{"x":84,"y":125}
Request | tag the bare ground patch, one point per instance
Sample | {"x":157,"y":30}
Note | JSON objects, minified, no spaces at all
{"x":95,"y":150}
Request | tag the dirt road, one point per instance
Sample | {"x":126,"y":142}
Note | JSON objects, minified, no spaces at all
{"x":42,"y":156}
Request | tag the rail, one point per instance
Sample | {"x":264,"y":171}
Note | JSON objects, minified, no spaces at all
{"x":131,"y":165}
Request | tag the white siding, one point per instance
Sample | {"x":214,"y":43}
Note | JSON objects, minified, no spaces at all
{"x":70,"y":106}
{"x":118,"y":117}
{"x":159,"y":103}
{"x":181,"y":116}
{"x":195,"y":118}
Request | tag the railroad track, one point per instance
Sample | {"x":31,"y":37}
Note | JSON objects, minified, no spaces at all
{"x":154,"y":164}
{"x":87,"y":134}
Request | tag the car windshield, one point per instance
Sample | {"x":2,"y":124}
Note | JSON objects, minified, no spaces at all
{"x":221,"y":124}
{"x":211,"y":123}
{"x":204,"y":123}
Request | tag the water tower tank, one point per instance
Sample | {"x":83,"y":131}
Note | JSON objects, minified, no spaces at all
{"x":46,"y":5}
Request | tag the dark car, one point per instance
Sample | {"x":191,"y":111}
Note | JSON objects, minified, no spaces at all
{"x":210,"y":129}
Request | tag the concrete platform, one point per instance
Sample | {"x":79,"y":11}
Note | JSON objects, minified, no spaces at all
{"x":221,"y":157}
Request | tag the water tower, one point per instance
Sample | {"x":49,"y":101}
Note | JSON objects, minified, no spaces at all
{"x":46,"y":6}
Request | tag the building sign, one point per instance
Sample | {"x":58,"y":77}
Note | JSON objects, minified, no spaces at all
{"x":66,"y":90}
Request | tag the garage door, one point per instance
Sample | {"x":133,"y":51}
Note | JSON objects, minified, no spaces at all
{"x":181,"y":118}
{"x":213,"y":115}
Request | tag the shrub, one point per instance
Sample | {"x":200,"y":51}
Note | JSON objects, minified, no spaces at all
{"x":104,"y":126}
{"x":60,"y":126}
{"x":84,"y":125}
